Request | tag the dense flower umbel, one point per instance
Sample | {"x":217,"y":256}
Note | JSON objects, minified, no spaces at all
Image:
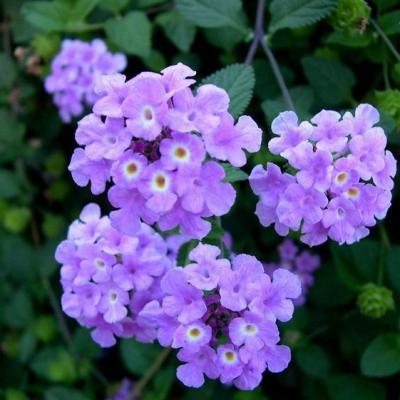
{"x":342,"y":177}
{"x":107,"y":277}
{"x":303,"y":264}
{"x":150,"y":137}
{"x":74,"y":72}
{"x":222,"y":315}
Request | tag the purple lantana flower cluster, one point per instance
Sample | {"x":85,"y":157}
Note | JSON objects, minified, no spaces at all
{"x":154,"y":139}
{"x":107,"y":277}
{"x":222,"y":316}
{"x":302,"y":263}
{"x":74,"y":72}
{"x":338,"y":180}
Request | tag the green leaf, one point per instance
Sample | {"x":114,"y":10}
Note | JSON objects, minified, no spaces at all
{"x":331,"y":80}
{"x":115,"y":6}
{"x":298,"y":13}
{"x":178,"y":30}
{"x":162,"y":384}
{"x":81,"y":9}
{"x":392,"y":265}
{"x":390,"y":22}
{"x":238,"y":80}
{"x":45,"y":15}
{"x":8,"y":184}
{"x":63,"y":393}
{"x":225,"y":38}
{"x":183,"y":253}
{"x":19,"y":311}
{"x":302,"y":96}
{"x":355,"y":41}
{"x":54,"y":364}
{"x":233,"y":174}
{"x":382,"y":356}
{"x":314,"y":361}
{"x":138,"y":357}
{"x":8,"y":71}
{"x":353,"y":387}
{"x":211,"y":13}
{"x":131,"y":34}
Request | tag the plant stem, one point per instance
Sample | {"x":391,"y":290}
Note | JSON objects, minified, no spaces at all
{"x":385,"y":244}
{"x":258,"y":32}
{"x":383,"y":35}
{"x":259,"y":38}
{"x":278,"y":75}
{"x":137,"y":390}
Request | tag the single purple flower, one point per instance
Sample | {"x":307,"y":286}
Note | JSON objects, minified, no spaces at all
{"x":330,"y":133}
{"x":182,"y":149}
{"x":290,"y":133}
{"x":228,"y":362}
{"x":181,"y":300}
{"x":145,"y":108}
{"x":127,"y":171}
{"x":192,"y":336}
{"x":227,"y":141}
{"x":299,"y":203}
{"x":366,"y":116}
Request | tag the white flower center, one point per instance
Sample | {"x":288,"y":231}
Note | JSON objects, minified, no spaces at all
{"x":160,"y":182}
{"x":131,"y":170}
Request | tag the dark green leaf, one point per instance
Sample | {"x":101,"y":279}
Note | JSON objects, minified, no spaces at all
{"x":390,"y":22}
{"x":382,"y":356}
{"x":298,"y":13}
{"x":46,"y":16}
{"x":138,"y":357}
{"x":183,"y":253}
{"x":352,"y":387}
{"x":8,"y":184}
{"x":19,"y":312}
{"x":131,"y":34}
{"x":211,"y":13}
{"x":7,"y":71}
{"x":178,"y":30}
{"x":314,"y":361}
{"x":331,"y":80}
{"x":302,"y":97}
{"x":238,"y":80}
{"x":63,"y":393}
{"x":392,"y":265}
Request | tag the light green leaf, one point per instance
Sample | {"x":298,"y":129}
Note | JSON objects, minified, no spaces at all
{"x":238,"y":80}
{"x":392,"y":265}
{"x":131,"y":34}
{"x":114,"y":6}
{"x":331,"y":80}
{"x":233,"y":174}
{"x":390,"y":22}
{"x":313,"y":360}
{"x":382,"y":356}
{"x":353,"y":387}
{"x":81,"y":9}
{"x":211,"y":13}
{"x":178,"y":30}
{"x":183,"y":253}
{"x":298,"y":13}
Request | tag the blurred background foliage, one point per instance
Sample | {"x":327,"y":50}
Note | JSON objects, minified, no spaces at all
{"x":332,"y":54}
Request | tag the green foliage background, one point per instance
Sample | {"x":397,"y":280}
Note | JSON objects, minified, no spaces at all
{"x":332,"y":54}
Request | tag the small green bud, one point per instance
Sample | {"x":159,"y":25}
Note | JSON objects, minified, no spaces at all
{"x":388,"y":101}
{"x":375,"y":301}
{"x":16,"y":219}
{"x":351,"y":17}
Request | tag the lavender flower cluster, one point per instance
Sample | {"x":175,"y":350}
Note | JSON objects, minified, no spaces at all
{"x":339,"y":177}
{"x":74,"y":72}
{"x":303,"y":264}
{"x":151,"y":136}
{"x":107,"y":276}
{"x":222,"y":315}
